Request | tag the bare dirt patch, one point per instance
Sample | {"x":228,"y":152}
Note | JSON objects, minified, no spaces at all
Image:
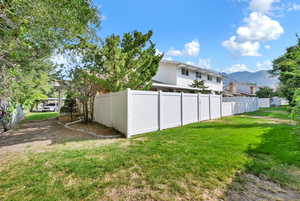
{"x":275,"y":120}
{"x":252,"y":188}
{"x":39,"y":136}
{"x":96,"y":128}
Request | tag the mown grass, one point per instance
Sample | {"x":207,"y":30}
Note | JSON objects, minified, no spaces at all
{"x":40,"y":115}
{"x":282,"y":112}
{"x":188,"y":163}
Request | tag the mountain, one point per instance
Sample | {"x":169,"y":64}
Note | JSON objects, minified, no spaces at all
{"x":261,"y":78}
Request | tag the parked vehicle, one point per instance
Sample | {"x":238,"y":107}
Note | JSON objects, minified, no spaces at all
{"x":51,"y":107}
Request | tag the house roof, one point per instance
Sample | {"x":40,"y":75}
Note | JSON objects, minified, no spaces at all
{"x":160,"y":84}
{"x":193,"y":67}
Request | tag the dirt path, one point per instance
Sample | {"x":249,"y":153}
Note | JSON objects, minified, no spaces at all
{"x":252,"y":188}
{"x":38,"y":136}
{"x":275,"y":120}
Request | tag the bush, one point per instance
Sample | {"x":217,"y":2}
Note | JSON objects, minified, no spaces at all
{"x":296,"y":108}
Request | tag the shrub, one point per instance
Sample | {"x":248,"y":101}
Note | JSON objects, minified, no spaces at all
{"x":296,"y":108}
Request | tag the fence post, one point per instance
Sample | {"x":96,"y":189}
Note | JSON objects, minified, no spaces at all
{"x":160,"y":126}
{"x":181,"y":103}
{"x":128,"y":121}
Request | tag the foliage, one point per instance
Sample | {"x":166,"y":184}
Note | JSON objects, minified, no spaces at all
{"x":195,"y":160}
{"x":84,"y":88}
{"x":296,"y":108}
{"x":69,"y":105}
{"x":287,"y":67}
{"x":117,"y":64}
{"x":30,"y":31}
{"x":265,"y":92}
{"x":200,"y":85}
{"x":121,"y":63}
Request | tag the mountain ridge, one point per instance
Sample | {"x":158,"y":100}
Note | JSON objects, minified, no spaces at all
{"x":260,"y":78}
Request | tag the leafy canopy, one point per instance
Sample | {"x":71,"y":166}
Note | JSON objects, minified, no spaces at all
{"x":122,"y":62}
{"x":287,"y":67}
{"x":265,"y":92}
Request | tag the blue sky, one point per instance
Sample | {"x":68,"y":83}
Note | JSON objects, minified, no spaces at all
{"x":223,"y":35}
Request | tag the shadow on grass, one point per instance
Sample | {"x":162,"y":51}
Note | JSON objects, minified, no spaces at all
{"x":274,"y":170}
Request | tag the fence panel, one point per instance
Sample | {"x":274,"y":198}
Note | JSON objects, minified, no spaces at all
{"x":102,"y":109}
{"x":119,"y":111}
{"x":215,"y":106}
{"x":190,"y":108}
{"x":264,"y":102}
{"x":144,"y":116}
{"x":204,"y":110}
{"x":227,"y":109}
{"x":170,"y":110}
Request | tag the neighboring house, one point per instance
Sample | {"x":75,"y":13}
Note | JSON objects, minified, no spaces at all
{"x":175,"y":76}
{"x":244,"y":89}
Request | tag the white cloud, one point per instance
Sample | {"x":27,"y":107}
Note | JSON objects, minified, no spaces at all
{"x":266,"y":65}
{"x":262,"y":6}
{"x":237,"y":68}
{"x":204,"y":63}
{"x":174,"y":53}
{"x":191,"y":49}
{"x":259,"y":27}
{"x":247,"y":48}
{"x":267,"y":47}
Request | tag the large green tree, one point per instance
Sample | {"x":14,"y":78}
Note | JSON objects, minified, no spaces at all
{"x":121,"y":62}
{"x":287,"y":67}
{"x":30,"y":31}
{"x":113,"y":65}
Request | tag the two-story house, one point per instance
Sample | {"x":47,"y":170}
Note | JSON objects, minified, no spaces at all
{"x":175,"y":76}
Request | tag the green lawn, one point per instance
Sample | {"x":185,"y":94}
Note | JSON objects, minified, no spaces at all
{"x":178,"y":163}
{"x":40,"y":115}
{"x":282,"y":112}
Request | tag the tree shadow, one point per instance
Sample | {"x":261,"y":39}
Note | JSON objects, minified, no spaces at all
{"x":48,"y":131}
{"x":273,"y":172}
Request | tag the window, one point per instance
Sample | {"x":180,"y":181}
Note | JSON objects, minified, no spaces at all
{"x":209,"y":77}
{"x":185,"y":71}
{"x":198,"y":75}
{"x":218,"y":79}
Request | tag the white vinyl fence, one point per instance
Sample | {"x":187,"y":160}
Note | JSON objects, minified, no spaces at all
{"x":264,"y":102}
{"x":278,"y":101}
{"x":134,"y":112}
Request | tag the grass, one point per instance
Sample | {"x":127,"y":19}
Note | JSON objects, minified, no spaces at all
{"x":188,"y":163}
{"x":282,"y":112}
{"x":40,"y":115}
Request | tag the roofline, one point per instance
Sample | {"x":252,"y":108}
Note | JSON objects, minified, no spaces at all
{"x":181,"y":64}
{"x":176,"y":87}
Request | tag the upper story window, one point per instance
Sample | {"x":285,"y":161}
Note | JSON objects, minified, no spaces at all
{"x":219,"y":79}
{"x":209,"y":77}
{"x":198,"y":75}
{"x":185,"y":71}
